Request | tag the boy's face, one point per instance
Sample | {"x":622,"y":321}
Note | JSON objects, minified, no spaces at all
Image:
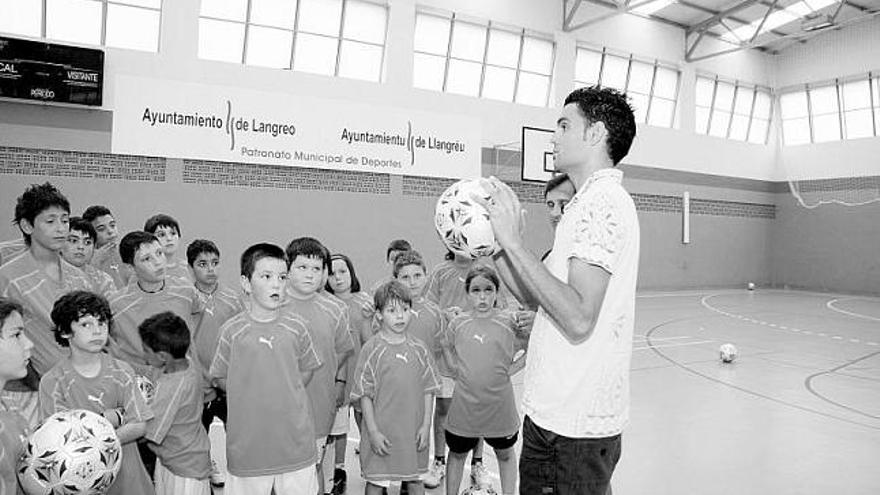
{"x":105,"y":226}
{"x":413,"y":277}
{"x":89,"y":334}
{"x":78,"y":249}
{"x":169,"y":238}
{"x":557,"y":199}
{"x":149,"y":263}
{"x":482,"y":294}
{"x":266,"y":285}
{"x":571,"y":143}
{"x":15,"y":348}
{"x":395,"y":316}
{"x":340,"y":278}
{"x":306,"y":274}
{"x":49,"y":229}
{"x":205,"y":268}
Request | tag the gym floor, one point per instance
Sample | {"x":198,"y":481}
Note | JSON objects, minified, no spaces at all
{"x":798,"y":411}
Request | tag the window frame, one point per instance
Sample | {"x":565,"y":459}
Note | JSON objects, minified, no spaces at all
{"x":753,"y":89}
{"x":295,"y":31}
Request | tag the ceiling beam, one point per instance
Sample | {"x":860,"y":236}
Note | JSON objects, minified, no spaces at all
{"x":706,"y":24}
{"x":707,"y":10}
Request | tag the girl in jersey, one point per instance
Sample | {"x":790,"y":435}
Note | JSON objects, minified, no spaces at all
{"x":484,"y":342}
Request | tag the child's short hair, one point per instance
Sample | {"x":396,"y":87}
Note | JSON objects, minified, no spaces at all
{"x":72,"y":306}
{"x":397,"y":245}
{"x":198,"y":247}
{"x":161,"y":220}
{"x":355,"y":283}
{"x":166,"y":332}
{"x":81,"y":225}
{"x":481,"y":271}
{"x":132,"y":241}
{"x":407,"y":258}
{"x":310,"y":248}
{"x":7,"y":307}
{"x":34,"y":200}
{"x":255,"y":253}
{"x":95,"y":211}
{"x":391,"y":292}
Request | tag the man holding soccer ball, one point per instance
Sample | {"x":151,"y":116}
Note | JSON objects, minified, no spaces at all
{"x":576,"y":394}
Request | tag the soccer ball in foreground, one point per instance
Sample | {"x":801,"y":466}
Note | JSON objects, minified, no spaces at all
{"x":462,"y":223}
{"x":727,"y":353}
{"x":479,"y":490}
{"x":72,"y":452}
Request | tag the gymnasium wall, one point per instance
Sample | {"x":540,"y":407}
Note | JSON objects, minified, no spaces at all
{"x":358,"y":213}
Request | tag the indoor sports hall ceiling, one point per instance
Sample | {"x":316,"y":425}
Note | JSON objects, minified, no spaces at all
{"x":769,"y":25}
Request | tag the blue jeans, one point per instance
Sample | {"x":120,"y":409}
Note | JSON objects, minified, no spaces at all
{"x":552,"y":464}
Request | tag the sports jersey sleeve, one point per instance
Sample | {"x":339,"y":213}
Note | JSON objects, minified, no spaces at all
{"x":51,"y":397}
{"x":364,"y":376}
{"x":432,"y":290}
{"x":135,"y":409}
{"x":440,"y":329}
{"x":430,"y":378}
{"x":343,"y":343}
{"x":600,"y":231}
{"x":106,"y":287}
{"x":307,"y":355}
{"x":170,"y":396}
{"x":220,"y":363}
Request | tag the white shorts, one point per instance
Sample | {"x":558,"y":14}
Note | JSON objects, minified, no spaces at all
{"x":340,"y":424}
{"x":168,"y":483}
{"x":447,"y":386}
{"x":302,"y":482}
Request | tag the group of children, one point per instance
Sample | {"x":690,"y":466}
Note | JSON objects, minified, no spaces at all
{"x":160,"y":348}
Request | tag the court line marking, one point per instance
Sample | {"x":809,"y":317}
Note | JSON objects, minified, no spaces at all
{"x":639,"y":341}
{"x":745,"y":390}
{"x":830,"y":305}
{"x":808,"y":383}
{"x":650,"y":346}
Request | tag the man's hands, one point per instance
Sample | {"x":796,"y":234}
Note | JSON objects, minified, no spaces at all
{"x":505,"y":212}
{"x":422,"y":437}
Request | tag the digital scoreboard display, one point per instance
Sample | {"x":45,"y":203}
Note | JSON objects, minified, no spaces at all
{"x":33,"y":70}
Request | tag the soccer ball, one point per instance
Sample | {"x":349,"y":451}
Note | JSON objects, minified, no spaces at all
{"x":148,"y":390}
{"x":479,"y":490}
{"x":727,"y":353}
{"x":72,"y":452}
{"x":462,"y":223}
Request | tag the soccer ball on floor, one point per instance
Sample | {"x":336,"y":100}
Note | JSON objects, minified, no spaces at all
{"x":727,"y":353}
{"x":462,"y":223}
{"x":72,"y":452}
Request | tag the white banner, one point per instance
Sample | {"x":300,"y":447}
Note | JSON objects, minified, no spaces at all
{"x":185,"y":120}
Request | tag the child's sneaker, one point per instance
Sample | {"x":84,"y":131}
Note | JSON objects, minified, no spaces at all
{"x":480,"y":476}
{"x":435,"y":474}
{"x":339,"y":480}
{"x":218,"y":478}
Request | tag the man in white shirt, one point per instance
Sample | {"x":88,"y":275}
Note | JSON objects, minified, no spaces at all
{"x":576,"y":394}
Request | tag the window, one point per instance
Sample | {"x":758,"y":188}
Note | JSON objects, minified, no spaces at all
{"x":343,"y":38}
{"x":481,"y":59}
{"x":652,"y":87}
{"x":842,"y":109}
{"x":732,"y":109}
{"x":132,"y":24}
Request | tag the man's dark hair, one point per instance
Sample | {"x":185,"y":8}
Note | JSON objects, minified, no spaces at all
{"x":34,"y":200}
{"x":609,"y":106}
{"x":165,"y":332}
{"x":255,"y":253}
{"x":198,"y":247}
{"x":72,"y":306}
{"x":397,"y":245}
{"x":95,"y":211}
{"x":161,"y":220}
{"x":132,"y":241}
{"x":554,"y":182}
{"x":391,"y":292}
{"x":355,"y":282}
{"x":310,"y":248}
{"x":81,"y":225}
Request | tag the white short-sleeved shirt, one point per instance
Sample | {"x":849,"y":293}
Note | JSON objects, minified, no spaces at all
{"x":582,"y":390}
